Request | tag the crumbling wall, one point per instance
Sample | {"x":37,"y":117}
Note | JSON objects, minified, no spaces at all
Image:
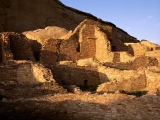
{"x":155,"y":54}
{"x":137,"y":49}
{"x":73,"y":75}
{"x":6,"y":54}
{"x":87,"y":41}
{"x":49,"y":53}
{"x":128,"y":80}
{"x":136,"y":63}
{"x":8,"y":73}
{"x":118,"y":38}
{"x":144,"y":61}
{"x":81,"y":44}
{"x":71,"y":49}
{"x":152,"y":78}
{"x":24,"y":71}
{"x":103,"y":46}
{"x":59,"y":50}
{"x":20,"y":47}
{"x":115,"y":79}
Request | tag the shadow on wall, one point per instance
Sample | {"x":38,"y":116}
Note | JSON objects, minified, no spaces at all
{"x":130,"y":50}
{"x":36,"y":48}
{"x":71,"y":75}
{"x":21,"y":47}
{"x":49,"y":58}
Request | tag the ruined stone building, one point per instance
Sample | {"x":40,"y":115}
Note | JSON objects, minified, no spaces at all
{"x":50,"y":53}
{"x":72,"y":44}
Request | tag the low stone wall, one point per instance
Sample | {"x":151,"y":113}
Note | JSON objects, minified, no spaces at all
{"x":155,"y":54}
{"x":74,"y":75}
{"x":25,"y":71}
{"x":129,"y":80}
{"x":121,"y":79}
{"x":153,"y":78}
{"x":139,"y":62}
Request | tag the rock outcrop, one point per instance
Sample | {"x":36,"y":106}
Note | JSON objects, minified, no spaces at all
{"x":24,"y":15}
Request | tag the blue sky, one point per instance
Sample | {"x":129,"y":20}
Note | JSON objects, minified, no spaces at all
{"x":140,"y":18}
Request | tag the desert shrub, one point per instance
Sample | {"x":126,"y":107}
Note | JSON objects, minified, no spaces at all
{"x":155,"y":71}
{"x":135,"y":93}
{"x":88,"y":88}
{"x":122,"y":69}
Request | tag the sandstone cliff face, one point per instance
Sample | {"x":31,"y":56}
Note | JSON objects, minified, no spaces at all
{"x":23,"y":15}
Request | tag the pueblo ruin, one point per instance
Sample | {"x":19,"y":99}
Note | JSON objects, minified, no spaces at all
{"x":57,"y":62}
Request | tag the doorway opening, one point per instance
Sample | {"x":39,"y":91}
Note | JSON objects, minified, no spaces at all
{"x":78,"y":49}
{"x":85,"y":82}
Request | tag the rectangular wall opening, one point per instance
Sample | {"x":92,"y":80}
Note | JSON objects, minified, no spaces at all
{"x":113,"y":48}
{"x":85,"y":82}
{"x":78,"y":49}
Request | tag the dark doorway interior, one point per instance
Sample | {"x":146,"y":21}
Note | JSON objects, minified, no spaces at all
{"x":78,"y":49}
{"x":36,"y":48}
{"x":86,"y":82}
{"x":113,"y":48}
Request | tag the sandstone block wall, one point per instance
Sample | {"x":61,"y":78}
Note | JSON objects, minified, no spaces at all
{"x":21,"y":47}
{"x":155,"y":54}
{"x":128,"y":80}
{"x":88,"y":40}
{"x":153,"y":78}
{"x":134,"y":64}
{"x":115,"y":79}
{"x":103,"y":46}
{"x":15,"y":46}
{"x":8,"y":73}
{"x":23,"y":71}
{"x":137,"y":49}
{"x":71,"y":75}
{"x":6,"y":53}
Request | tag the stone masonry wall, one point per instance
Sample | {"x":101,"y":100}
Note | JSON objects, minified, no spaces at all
{"x":24,"y":71}
{"x":8,"y":73}
{"x":6,"y":54}
{"x":155,"y":54}
{"x":21,"y":47}
{"x":89,"y":40}
{"x":103,"y":46}
{"x":137,"y":49}
{"x":71,"y":75}
{"x":80,"y":45}
{"x":136,"y":63}
{"x":129,"y":80}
